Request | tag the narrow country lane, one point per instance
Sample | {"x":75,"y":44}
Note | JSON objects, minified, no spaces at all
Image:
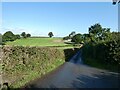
{"x":74,"y":74}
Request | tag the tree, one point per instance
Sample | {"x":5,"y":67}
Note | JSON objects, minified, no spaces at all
{"x":28,"y":35}
{"x":8,"y":36}
{"x":66,"y":38}
{"x":98,"y":33}
{"x":17,"y":36}
{"x":86,"y":38}
{"x":105,"y":35}
{"x":95,"y":29}
{"x":50,"y":34}
{"x":115,"y":1}
{"x":23,"y":34}
{"x":77,"y":39}
{"x":71,"y":34}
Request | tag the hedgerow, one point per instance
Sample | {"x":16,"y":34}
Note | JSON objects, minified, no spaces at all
{"x":22,"y":64}
{"x":106,"y":54}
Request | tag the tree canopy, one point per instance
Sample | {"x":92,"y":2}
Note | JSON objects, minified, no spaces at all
{"x":8,"y":36}
{"x":28,"y":35}
{"x":24,"y":35}
{"x":77,"y":38}
{"x":97,"y":33}
{"x":72,"y":34}
{"x":50,"y":34}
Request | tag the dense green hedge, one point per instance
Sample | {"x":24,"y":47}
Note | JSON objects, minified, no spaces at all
{"x":22,"y":64}
{"x":103,"y":54}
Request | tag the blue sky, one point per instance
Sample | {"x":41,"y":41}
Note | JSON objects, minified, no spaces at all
{"x":38,"y":18}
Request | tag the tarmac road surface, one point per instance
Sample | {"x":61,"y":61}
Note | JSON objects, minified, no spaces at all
{"x":75,"y":74}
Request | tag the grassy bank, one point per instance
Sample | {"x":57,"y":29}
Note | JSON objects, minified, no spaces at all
{"x":23,"y":64}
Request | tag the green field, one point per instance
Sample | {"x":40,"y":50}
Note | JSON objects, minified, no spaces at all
{"x":38,"y":42}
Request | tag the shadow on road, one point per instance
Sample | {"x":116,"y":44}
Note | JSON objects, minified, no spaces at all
{"x":97,"y":81}
{"x":69,"y":53}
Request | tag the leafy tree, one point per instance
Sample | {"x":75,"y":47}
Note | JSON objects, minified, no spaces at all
{"x":106,"y":34}
{"x":23,"y":34}
{"x":95,"y":29}
{"x":66,"y":38}
{"x":86,"y":38}
{"x":17,"y":36}
{"x":98,"y":33}
{"x":8,"y":36}
{"x":50,"y":34}
{"x":28,"y":35}
{"x":77,"y":38}
{"x":94,"y":32}
{"x":71,"y":34}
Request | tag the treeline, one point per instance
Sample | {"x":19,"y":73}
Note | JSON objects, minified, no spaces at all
{"x":100,"y":47}
{"x":9,"y":36}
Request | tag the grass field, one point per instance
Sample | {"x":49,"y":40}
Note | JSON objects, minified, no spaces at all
{"x":38,"y":42}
